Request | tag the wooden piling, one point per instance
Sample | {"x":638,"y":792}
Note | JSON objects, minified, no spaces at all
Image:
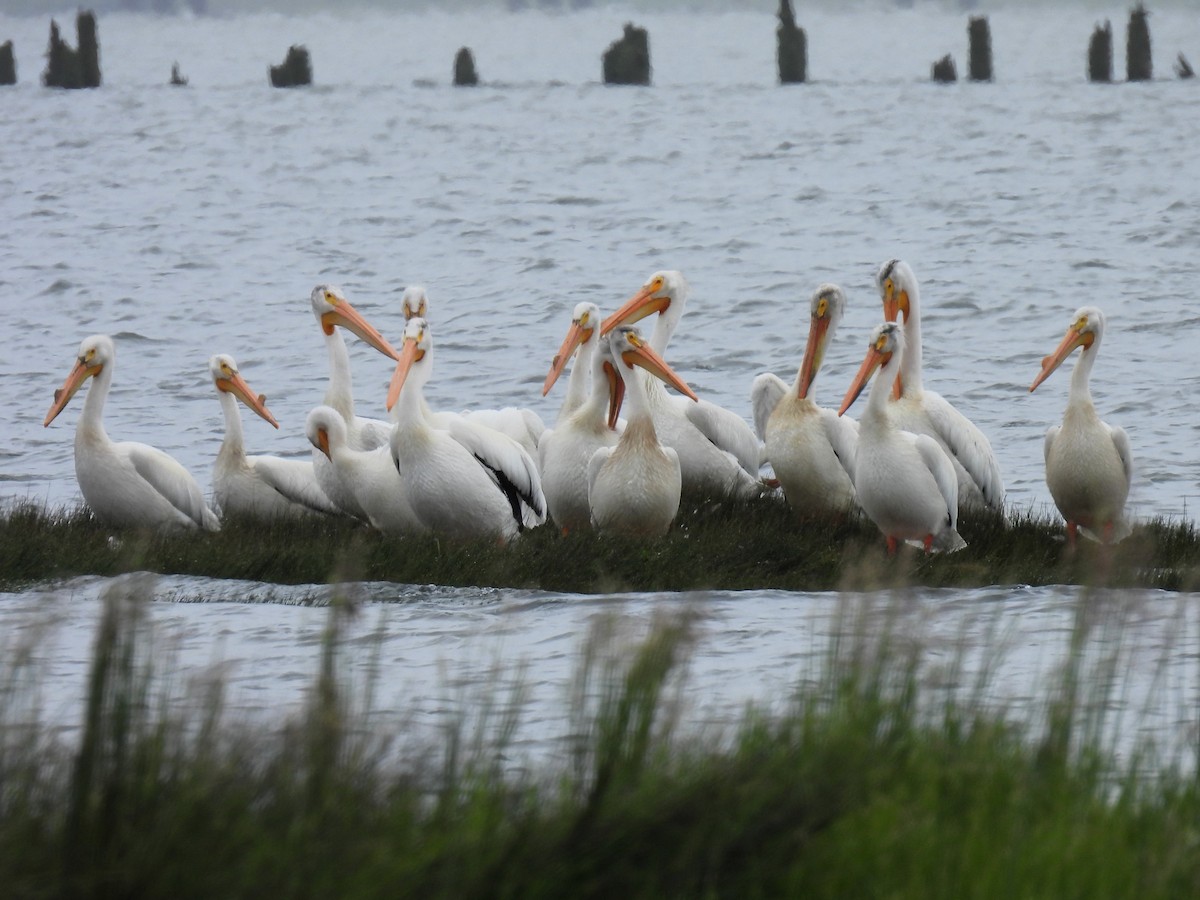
{"x":1100,"y":54}
{"x":464,"y":69}
{"x":627,"y":60}
{"x":89,"y":48}
{"x":8,"y":64}
{"x":1183,"y":68}
{"x":62,"y":62}
{"x":979,"y":40}
{"x":944,"y":71}
{"x":1138,"y":65}
{"x":792,"y":47}
{"x":295,"y":70}
{"x":178,"y":79}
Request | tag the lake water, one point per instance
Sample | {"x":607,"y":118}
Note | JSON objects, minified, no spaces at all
{"x":193,"y":221}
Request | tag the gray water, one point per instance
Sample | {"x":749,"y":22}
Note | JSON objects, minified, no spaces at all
{"x":193,"y":221}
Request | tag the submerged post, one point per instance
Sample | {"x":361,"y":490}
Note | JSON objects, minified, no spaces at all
{"x":979,"y":39}
{"x":944,"y":71}
{"x":8,"y":64}
{"x":1100,"y":54}
{"x":295,"y":70}
{"x":178,"y":79}
{"x":464,"y":69}
{"x":1138,"y":66}
{"x":792,"y":47}
{"x":1183,"y":68}
{"x":627,"y":60}
{"x":89,"y":48}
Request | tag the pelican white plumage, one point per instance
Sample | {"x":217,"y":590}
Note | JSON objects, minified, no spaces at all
{"x":582,"y":426}
{"x":126,"y":484}
{"x":810,"y":448}
{"x":634,"y":487}
{"x":1089,"y":464}
{"x":333,"y":311}
{"x":463,"y":481}
{"x":922,"y":411}
{"x":264,"y":487}
{"x":905,"y":482}
{"x":719,"y":453}
{"x":370,"y":474}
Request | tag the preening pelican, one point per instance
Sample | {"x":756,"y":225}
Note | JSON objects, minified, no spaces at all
{"x":522,"y":425}
{"x":264,"y":487}
{"x":718,"y":452}
{"x":1089,"y":465}
{"x":810,"y":448}
{"x":925,"y":412}
{"x":582,"y":427}
{"x":333,"y":311}
{"x":634,"y":487}
{"x":463,"y":482}
{"x":127,"y":484}
{"x":905,"y":482}
{"x":370,"y":475}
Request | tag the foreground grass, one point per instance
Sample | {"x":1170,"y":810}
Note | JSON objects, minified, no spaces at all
{"x":869,"y":784}
{"x":759,"y":546}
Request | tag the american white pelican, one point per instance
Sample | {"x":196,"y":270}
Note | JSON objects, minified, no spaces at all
{"x":333,"y":311}
{"x":1089,"y":465}
{"x":522,"y":425}
{"x":718,"y":452}
{"x":634,"y":487}
{"x":463,"y":481}
{"x":582,"y":426}
{"x":370,"y":474}
{"x":127,"y":484}
{"x":925,"y":412}
{"x":810,"y":448}
{"x":905,"y":482}
{"x":264,"y":487}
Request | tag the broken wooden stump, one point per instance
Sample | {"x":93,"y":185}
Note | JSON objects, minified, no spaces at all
{"x":1100,"y":54}
{"x":943,"y":71}
{"x":8,"y":64}
{"x":1138,"y":66}
{"x":979,"y":40}
{"x":792,"y":47}
{"x":178,"y":79}
{"x":464,"y":69}
{"x":627,"y":61}
{"x":1183,"y":68}
{"x":89,"y":48}
{"x":67,"y":67}
{"x":295,"y":70}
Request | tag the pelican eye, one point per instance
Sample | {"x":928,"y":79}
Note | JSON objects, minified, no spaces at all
{"x":822,"y":308}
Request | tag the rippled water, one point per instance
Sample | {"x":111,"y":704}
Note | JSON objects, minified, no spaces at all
{"x":194,"y":221}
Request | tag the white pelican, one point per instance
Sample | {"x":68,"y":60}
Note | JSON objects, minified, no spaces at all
{"x":718,"y":452}
{"x":634,"y":487}
{"x":522,"y":425}
{"x":463,"y":481}
{"x":925,"y":412}
{"x":264,"y":487}
{"x":370,"y":474}
{"x":1089,"y":465}
{"x":332,"y":310}
{"x":582,"y":426}
{"x":810,"y":448}
{"x":905,"y":482}
{"x":127,"y":484}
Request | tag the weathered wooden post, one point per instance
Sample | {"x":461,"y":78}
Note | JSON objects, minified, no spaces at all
{"x":1100,"y":54}
{"x":178,"y":79}
{"x":627,"y":60}
{"x":979,"y":40}
{"x":1138,"y":66}
{"x":1183,"y":68}
{"x":89,"y":49}
{"x":943,"y":71}
{"x":296,"y":69}
{"x":62,"y":62}
{"x":792,"y":47}
{"x":464,"y":69}
{"x":8,"y":64}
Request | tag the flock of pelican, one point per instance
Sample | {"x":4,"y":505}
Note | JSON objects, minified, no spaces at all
{"x":911,"y":463}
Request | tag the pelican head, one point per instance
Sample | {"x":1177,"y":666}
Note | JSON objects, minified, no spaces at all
{"x":629,"y":349}
{"x":1086,"y":331}
{"x":417,"y":344}
{"x":325,"y":429}
{"x":887,"y":342}
{"x":584,"y":322}
{"x":95,"y":353}
{"x":664,"y":292}
{"x":228,"y":379}
{"x":414,"y":302}
{"x":825,"y":312}
{"x":332,"y":309}
{"x":896,"y":282}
